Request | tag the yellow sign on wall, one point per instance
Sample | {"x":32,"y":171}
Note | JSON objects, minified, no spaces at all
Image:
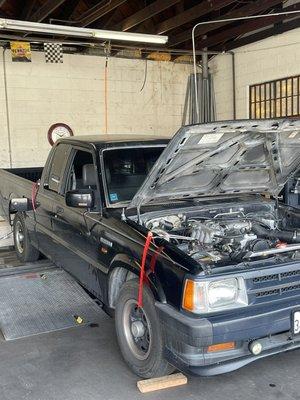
{"x":20,"y":51}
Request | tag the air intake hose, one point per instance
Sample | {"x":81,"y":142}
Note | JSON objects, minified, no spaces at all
{"x":285,"y":236}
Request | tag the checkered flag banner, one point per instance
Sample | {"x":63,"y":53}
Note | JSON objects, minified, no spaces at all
{"x":53,"y":52}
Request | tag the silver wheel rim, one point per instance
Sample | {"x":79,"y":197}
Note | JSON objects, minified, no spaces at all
{"x":137,"y":329}
{"x":19,"y":237}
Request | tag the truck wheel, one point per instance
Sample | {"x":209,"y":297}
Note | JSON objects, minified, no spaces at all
{"x":139,"y":334}
{"x":25,"y":251}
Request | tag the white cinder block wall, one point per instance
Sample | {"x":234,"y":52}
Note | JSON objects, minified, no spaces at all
{"x":272,"y":58}
{"x":41,"y":94}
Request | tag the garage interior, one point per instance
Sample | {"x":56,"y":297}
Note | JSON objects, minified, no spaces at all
{"x":247,"y":66}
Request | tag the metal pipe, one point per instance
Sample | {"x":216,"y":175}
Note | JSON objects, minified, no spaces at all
{"x":7,"y":108}
{"x":233,"y":84}
{"x":205,"y":87}
{"x":195,"y":70}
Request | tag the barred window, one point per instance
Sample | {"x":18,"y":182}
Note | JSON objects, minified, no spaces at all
{"x":278,"y":98}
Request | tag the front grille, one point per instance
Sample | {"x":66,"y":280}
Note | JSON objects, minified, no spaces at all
{"x":267,"y":293}
{"x":266,"y":278}
{"x":289,"y":274}
{"x":276,"y":277}
{"x":273,"y":286}
{"x":290,"y":288}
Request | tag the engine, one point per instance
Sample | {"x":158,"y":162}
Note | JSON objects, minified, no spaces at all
{"x":223,"y":237}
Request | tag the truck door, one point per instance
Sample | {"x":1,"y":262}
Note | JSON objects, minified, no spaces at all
{"x":48,"y":192}
{"x":76,"y":249}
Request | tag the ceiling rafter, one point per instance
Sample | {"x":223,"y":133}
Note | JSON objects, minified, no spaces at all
{"x":145,"y":13}
{"x":286,"y":26}
{"x":45,"y":10}
{"x":119,"y":14}
{"x":245,"y":27}
{"x":111,"y":18}
{"x":98,"y":11}
{"x":191,"y":14}
{"x":249,"y":9}
{"x":69,"y":9}
{"x":73,"y":13}
{"x":27,"y":9}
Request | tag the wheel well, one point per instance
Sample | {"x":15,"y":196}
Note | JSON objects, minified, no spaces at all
{"x":118,"y":277}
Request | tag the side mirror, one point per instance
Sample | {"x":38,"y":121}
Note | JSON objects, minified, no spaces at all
{"x":82,"y":198}
{"x":21,"y":204}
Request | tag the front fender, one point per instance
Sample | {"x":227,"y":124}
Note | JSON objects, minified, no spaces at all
{"x":124,"y":262}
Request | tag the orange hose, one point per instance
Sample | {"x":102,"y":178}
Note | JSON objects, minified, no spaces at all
{"x":105,"y":98}
{"x":34,"y":191}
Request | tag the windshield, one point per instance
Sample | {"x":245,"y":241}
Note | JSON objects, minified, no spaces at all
{"x":126,"y":170}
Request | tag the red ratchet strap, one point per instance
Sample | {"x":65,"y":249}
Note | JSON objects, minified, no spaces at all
{"x":142,"y":271}
{"x":34,"y":191}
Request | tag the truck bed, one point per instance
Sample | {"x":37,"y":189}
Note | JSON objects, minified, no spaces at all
{"x":16,"y":182}
{"x":32,"y":174}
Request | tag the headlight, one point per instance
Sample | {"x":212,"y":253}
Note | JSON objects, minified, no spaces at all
{"x":215,"y":295}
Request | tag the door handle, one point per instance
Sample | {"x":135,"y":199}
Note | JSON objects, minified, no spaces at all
{"x":59,"y":210}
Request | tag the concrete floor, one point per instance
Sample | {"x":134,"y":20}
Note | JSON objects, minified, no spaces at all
{"x":84,"y":364}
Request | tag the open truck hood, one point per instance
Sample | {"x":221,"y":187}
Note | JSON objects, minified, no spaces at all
{"x":224,"y":158}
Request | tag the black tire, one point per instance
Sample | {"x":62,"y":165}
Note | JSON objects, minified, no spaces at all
{"x":24,"y":249}
{"x":147,"y":362}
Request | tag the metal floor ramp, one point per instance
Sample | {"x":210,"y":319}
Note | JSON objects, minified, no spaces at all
{"x":40,"y":298}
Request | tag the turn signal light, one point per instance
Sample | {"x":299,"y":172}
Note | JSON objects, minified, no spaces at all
{"x":189,"y":295}
{"x":221,"y":347}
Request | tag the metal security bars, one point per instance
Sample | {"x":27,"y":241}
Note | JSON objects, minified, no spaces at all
{"x":278,"y":98}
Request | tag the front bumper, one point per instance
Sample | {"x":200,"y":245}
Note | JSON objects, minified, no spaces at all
{"x":187,"y":338}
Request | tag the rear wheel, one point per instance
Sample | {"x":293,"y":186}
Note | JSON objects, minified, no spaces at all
{"x":25,"y":251}
{"x":139,"y":334}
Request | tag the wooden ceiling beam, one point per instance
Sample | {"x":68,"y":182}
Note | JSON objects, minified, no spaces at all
{"x":46,"y":9}
{"x":255,"y":37}
{"x":69,"y":10}
{"x":98,"y":11}
{"x":246,"y":27}
{"x":249,"y":9}
{"x":27,"y":9}
{"x":145,"y":13}
{"x":191,"y":14}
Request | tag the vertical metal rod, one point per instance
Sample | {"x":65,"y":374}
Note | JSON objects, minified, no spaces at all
{"x":195,"y":72}
{"x":7,"y":108}
{"x":205,"y":88}
{"x":233,"y":84}
{"x":186,"y":102}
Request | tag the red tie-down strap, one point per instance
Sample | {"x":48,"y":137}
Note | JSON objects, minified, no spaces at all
{"x":34,"y":191}
{"x":154,"y":258}
{"x":142,"y":270}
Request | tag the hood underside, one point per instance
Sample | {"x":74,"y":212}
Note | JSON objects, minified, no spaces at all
{"x":224,"y":158}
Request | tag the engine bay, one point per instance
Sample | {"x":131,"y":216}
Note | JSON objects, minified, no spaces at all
{"x":218,"y":235}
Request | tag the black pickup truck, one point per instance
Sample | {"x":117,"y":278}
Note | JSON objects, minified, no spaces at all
{"x":187,"y":242}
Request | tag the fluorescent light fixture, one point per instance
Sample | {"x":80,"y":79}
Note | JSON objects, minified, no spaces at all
{"x":27,"y":26}
{"x":130,"y":37}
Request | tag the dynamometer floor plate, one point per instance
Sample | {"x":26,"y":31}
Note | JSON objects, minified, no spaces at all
{"x":43,"y":301}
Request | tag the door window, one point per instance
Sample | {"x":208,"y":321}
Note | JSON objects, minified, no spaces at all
{"x":57,"y":169}
{"x":75,"y":179}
